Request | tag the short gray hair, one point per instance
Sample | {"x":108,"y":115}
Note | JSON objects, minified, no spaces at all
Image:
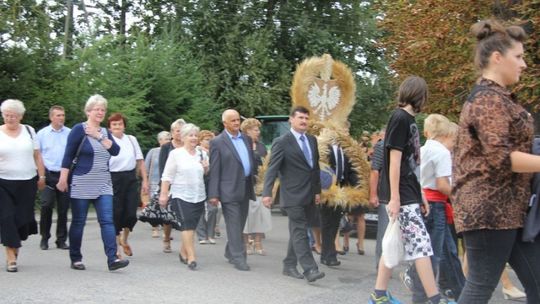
{"x":178,"y":124}
{"x":95,"y":100}
{"x":227,"y":113}
{"x":163,"y":135}
{"x":13,"y":105}
{"x":188,"y":129}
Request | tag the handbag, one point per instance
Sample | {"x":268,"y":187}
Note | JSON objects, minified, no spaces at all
{"x":392,"y":244}
{"x":75,"y":160}
{"x":531,"y":227}
{"x":156,"y":215}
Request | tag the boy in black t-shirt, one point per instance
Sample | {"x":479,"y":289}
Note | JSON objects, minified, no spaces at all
{"x":399,"y":187}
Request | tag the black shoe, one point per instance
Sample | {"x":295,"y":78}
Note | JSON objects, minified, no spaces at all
{"x":313,"y":275}
{"x":192,"y":265}
{"x":242,"y":266}
{"x":182,"y":260}
{"x":44,"y":244}
{"x":292,"y":272}
{"x":330,"y":263}
{"x":341,"y":252}
{"x":117,"y":264}
{"x":62,"y":245}
{"x":78,"y":266}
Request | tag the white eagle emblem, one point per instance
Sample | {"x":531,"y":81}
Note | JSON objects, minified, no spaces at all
{"x":323,"y":103}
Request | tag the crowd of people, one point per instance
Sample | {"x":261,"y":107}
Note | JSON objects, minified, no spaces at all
{"x":469,"y":180}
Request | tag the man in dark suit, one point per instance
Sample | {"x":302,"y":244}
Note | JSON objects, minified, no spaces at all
{"x":295,"y":159}
{"x":330,"y":216}
{"x":232,"y":171}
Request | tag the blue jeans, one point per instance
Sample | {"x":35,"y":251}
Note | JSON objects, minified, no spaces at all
{"x":451,"y":275}
{"x":441,"y":240}
{"x":104,"y":211}
{"x":487,"y":254}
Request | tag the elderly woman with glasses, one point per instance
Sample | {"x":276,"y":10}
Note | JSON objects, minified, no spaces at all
{"x":21,"y":174}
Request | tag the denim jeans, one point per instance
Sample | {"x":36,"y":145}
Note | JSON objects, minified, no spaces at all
{"x":487,"y":254}
{"x":441,"y":241}
{"x":104,"y":211}
{"x":451,"y":275}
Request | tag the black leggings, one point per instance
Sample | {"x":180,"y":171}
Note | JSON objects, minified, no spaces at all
{"x":487,"y":254}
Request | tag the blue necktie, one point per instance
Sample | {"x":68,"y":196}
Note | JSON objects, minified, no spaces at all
{"x":305,"y":150}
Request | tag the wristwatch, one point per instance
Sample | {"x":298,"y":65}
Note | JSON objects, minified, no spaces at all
{"x":100,"y":138}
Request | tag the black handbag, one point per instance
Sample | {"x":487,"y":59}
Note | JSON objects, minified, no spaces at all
{"x":531,"y":227}
{"x":75,"y":159}
{"x":156,"y":215}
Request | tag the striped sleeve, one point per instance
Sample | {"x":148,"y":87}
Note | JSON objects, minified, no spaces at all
{"x":377,"y":157}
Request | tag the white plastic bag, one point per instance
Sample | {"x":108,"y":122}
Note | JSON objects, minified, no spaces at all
{"x":392,"y":244}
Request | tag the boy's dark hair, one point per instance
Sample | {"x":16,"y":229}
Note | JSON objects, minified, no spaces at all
{"x":413,"y":91}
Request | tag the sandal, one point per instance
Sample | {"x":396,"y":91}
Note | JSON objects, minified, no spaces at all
{"x":258,"y":249}
{"x":11,"y":266}
{"x":167,"y":246}
{"x":249,"y":249}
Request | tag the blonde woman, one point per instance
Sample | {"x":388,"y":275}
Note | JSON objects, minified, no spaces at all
{"x":206,"y":229}
{"x":91,"y":146}
{"x":259,"y":220}
{"x":183,"y":181}
{"x":166,"y":148}
{"x":152,"y":167}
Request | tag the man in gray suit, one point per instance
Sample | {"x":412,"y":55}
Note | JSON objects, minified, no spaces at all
{"x":295,"y":160}
{"x":232,"y":171}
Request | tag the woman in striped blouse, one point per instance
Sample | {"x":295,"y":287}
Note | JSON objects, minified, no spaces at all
{"x":92,"y":146}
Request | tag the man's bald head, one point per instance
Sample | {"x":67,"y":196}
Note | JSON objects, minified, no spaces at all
{"x":231,"y":121}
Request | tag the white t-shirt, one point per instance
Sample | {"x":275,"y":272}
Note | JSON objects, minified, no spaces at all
{"x":186,"y":175}
{"x":130,"y":152}
{"x":435,"y":161}
{"x":17,"y":155}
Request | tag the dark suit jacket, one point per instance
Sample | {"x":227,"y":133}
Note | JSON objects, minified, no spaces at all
{"x":227,"y":179}
{"x":349,"y":176}
{"x":299,"y":183}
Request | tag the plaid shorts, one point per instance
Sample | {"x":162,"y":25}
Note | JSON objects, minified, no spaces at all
{"x":414,"y":233}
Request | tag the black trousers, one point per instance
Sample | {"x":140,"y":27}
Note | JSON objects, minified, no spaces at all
{"x":48,"y":197}
{"x":330,"y":218}
{"x":298,"y":250}
{"x":487,"y":254}
{"x":125,"y":199}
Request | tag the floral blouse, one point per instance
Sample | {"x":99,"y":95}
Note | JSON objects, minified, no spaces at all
{"x":486,"y":193}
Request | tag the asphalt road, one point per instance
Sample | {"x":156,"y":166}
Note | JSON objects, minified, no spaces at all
{"x":157,"y":277}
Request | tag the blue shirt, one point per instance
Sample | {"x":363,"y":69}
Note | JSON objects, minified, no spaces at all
{"x":52,"y":144}
{"x":240,"y":146}
{"x":299,"y":141}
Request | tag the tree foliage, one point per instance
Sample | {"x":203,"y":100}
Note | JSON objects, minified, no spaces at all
{"x":431,"y":39}
{"x":156,"y":61}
